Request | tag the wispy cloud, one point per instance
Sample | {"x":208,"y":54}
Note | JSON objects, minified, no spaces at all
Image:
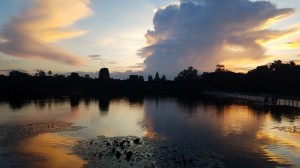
{"x":32,"y":34}
{"x":293,"y":45}
{"x":137,"y":66}
{"x":245,"y":64}
{"x":203,"y":33}
{"x":95,"y":57}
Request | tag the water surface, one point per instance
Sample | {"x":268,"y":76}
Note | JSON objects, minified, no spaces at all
{"x":242,"y":133}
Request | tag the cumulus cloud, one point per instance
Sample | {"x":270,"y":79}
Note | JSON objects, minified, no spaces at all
{"x":33,"y":32}
{"x":203,"y":33}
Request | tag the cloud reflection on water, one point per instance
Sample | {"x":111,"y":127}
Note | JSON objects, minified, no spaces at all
{"x":236,"y":130}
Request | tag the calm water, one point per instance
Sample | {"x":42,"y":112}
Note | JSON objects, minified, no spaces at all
{"x":241,"y":133}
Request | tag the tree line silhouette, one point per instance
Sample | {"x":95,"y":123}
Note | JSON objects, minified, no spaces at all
{"x":275,"y":78}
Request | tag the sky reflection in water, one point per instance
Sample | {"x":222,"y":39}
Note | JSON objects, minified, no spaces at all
{"x":242,"y":133}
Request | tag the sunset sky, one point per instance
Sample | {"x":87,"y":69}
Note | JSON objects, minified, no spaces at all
{"x":146,"y":36}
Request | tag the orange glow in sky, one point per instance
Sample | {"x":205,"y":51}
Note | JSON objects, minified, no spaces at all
{"x":61,"y":35}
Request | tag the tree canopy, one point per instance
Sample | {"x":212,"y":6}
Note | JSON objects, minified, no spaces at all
{"x":187,"y":75}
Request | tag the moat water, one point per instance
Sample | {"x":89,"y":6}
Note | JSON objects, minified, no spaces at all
{"x":244,"y":135}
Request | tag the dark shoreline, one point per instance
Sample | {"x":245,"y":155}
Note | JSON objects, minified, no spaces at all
{"x":189,"y":94}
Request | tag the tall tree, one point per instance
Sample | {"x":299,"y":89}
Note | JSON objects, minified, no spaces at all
{"x":220,"y":68}
{"x":49,"y":73}
{"x":276,"y":65}
{"x":187,"y":74}
{"x":40,"y":73}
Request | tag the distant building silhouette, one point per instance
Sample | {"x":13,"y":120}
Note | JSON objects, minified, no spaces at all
{"x":157,"y":78}
{"x":141,"y":78}
{"x":136,"y":78}
{"x":74,"y":75}
{"x":150,"y":78}
{"x":133,"y":77}
{"x":104,"y":74}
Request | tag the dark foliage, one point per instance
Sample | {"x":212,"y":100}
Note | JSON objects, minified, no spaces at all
{"x":189,"y":74}
{"x":276,"y":78}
